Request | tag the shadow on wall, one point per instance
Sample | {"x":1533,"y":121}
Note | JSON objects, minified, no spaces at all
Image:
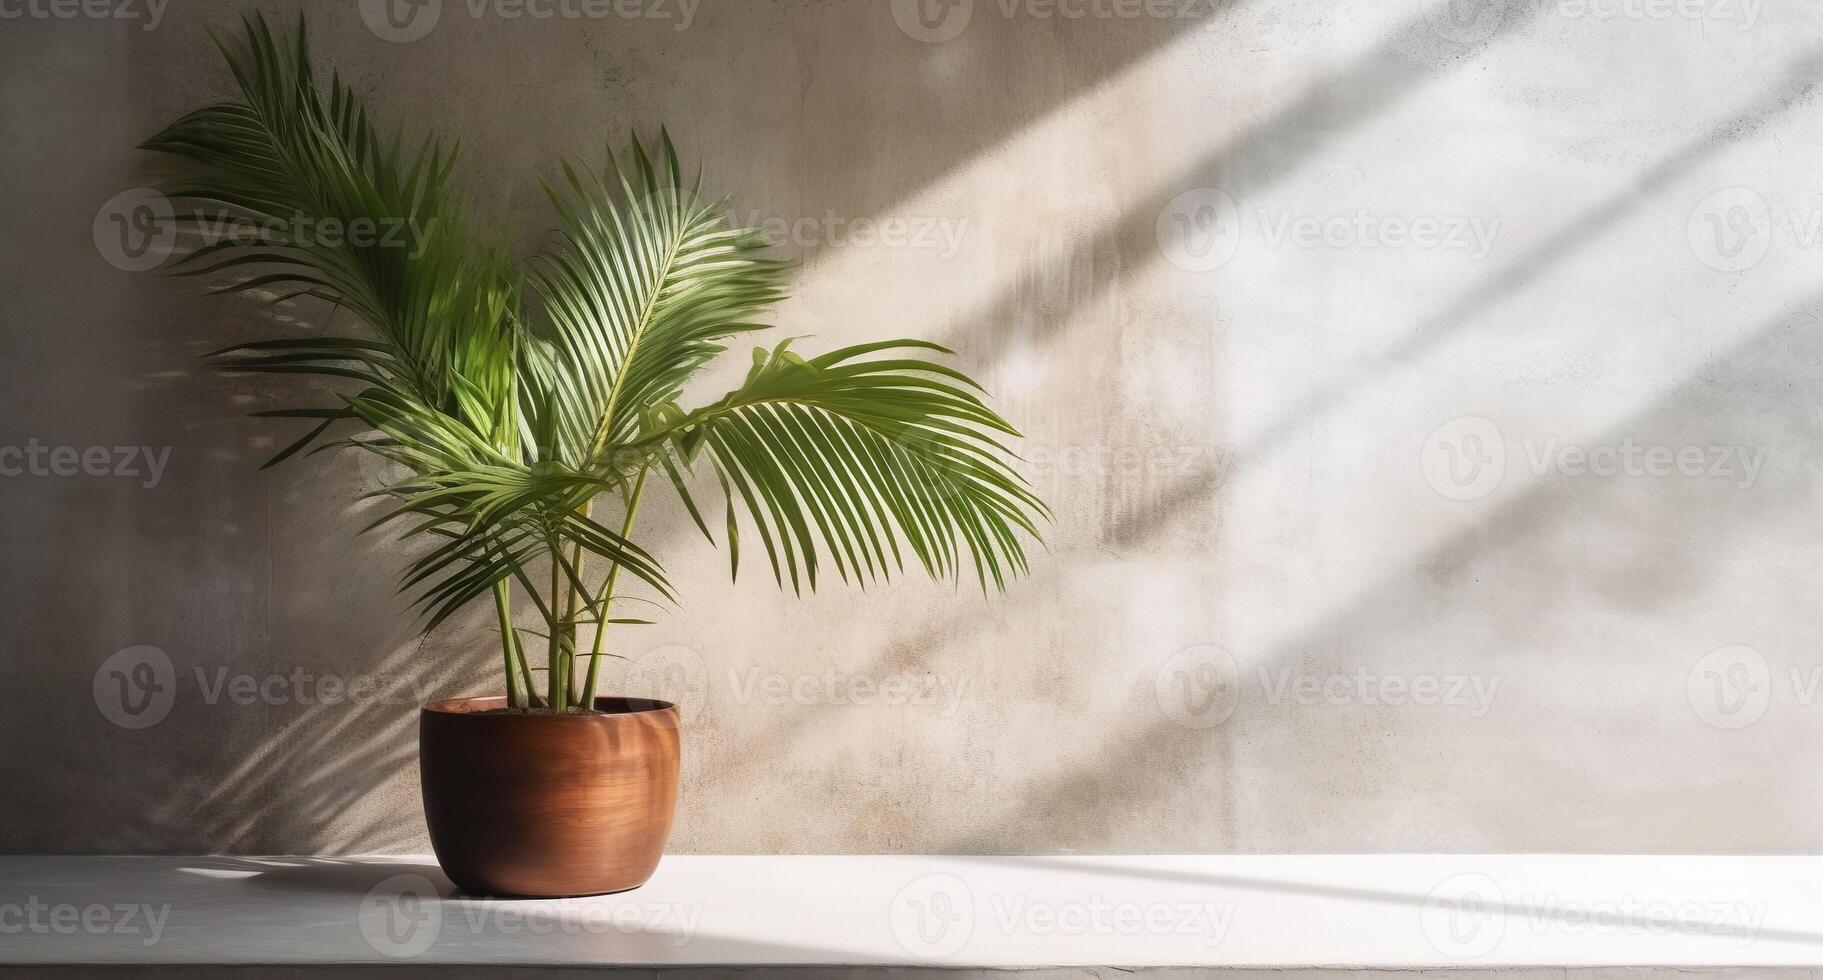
{"x":1532,"y":536}
{"x":293,"y":723}
{"x":1134,"y":763}
{"x":946,"y":53}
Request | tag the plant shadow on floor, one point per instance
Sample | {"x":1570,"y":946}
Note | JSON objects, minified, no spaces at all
{"x":321,"y":875}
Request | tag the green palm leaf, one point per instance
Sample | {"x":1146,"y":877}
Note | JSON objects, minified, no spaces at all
{"x":294,"y":189}
{"x":644,"y":280}
{"x":842,"y":456}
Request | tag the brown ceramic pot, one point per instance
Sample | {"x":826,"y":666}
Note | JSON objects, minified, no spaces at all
{"x":547,"y":806}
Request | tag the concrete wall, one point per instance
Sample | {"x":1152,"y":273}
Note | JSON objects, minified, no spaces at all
{"x":1425,"y":395}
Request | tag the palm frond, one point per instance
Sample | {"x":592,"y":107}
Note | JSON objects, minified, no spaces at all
{"x":842,"y":456}
{"x":642,"y":283}
{"x":293,"y":188}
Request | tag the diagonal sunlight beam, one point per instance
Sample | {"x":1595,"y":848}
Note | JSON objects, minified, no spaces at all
{"x":1796,"y":86}
{"x":1085,"y":56}
{"x":1257,"y":157}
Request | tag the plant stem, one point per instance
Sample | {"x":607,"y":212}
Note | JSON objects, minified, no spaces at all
{"x":607,"y":589}
{"x":573,"y":595}
{"x":525,"y":674}
{"x":558,"y":688}
{"x":509,"y":645}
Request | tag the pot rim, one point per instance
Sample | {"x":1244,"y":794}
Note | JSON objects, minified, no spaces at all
{"x":481,"y":707}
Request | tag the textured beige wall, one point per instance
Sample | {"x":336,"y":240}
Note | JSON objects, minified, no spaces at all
{"x":1247,"y":274}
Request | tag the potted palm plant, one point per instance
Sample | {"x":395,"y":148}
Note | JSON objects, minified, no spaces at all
{"x":534,"y":402}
